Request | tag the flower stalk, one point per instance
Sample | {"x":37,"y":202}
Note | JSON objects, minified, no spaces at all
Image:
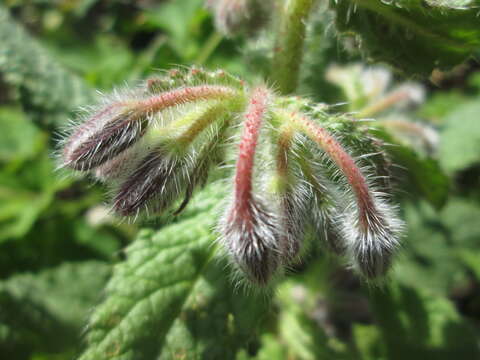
{"x":288,"y":49}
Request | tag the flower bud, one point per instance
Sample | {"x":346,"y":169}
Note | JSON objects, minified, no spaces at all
{"x":370,"y":227}
{"x":156,"y":177}
{"x":119,"y":166}
{"x":372,"y":237}
{"x":250,"y":230}
{"x":104,"y":135}
{"x":175,"y":164}
{"x":290,"y":194}
{"x":251,"y":238}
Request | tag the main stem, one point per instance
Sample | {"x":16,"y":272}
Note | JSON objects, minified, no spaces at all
{"x":288,"y":51}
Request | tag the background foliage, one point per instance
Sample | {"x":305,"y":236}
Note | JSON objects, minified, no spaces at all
{"x":157,"y":288}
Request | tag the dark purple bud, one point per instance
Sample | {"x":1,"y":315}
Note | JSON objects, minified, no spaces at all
{"x":104,"y":136}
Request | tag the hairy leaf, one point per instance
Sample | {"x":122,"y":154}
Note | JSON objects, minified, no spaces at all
{"x":427,"y":34}
{"x":45,"y":311}
{"x":172,"y":298}
{"x":416,"y":325}
{"x":44,"y":87}
{"x":434,"y":243}
{"x":424,"y":173}
{"x":299,"y":331}
{"x":460,"y":137}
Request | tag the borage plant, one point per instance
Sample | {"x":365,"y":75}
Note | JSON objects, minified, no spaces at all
{"x":159,"y":142}
{"x":275,"y":174}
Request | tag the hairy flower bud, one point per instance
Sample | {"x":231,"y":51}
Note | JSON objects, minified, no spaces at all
{"x":372,"y":237}
{"x":104,"y":135}
{"x":371,"y":230}
{"x":158,"y":144}
{"x":291,"y":195}
{"x":158,"y":176}
{"x":250,"y":231}
{"x":119,"y":125}
{"x":326,"y":214}
{"x":251,"y":237}
{"x":176,"y":162}
{"x":119,"y":166}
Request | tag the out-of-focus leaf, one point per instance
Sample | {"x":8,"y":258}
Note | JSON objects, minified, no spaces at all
{"x":430,"y":255}
{"x":426,"y":34}
{"x":460,"y":137}
{"x":424,"y":172}
{"x":172,"y":298}
{"x":24,"y":194}
{"x":45,"y":89}
{"x":321,"y":46}
{"x":182,"y":21}
{"x":440,"y":105}
{"x":471,"y":259}
{"x":108,"y":61}
{"x":19,"y":139}
{"x":45,"y":311}
{"x":368,"y":341}
{"x":303,"y":338}
{"x":417,"y":325}
{"x":270,"y":348}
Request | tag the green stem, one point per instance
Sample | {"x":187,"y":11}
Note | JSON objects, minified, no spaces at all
{"x":288,"y":51}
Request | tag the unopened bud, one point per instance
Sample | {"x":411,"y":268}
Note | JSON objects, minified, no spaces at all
{"x":104,"y":135}
{"x":372,"y":237}
{"x":155,"y":177}
{"x":251,"y":238}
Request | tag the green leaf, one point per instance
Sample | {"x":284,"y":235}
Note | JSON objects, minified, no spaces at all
{"x":471,"y":259}
{"x":45,"y":311}
{"x":426,"y":34}
{"x":182,"y":21}
{"x":47,"y":91}
{"x":424,"y":173}
{"x":173,"y":298}
{"x":304,"y":337}
{"x":19,"y":139}
{"x":24,"y":195}
{"x":270,"y":348}
{"x":460,"y":137}
{"x":440,"y":104}
{"x":368,"y":341}
{"x":434,"y":240}
{"x":417,"y":325}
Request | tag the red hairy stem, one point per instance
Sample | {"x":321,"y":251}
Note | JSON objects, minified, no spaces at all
{"x":344,"y":162}
{"x":187,"y":94}
{"x":254,"y":116}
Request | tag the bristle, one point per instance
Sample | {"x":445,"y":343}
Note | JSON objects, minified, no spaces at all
{"x":251,"y":238}
{"x":372,"y":237}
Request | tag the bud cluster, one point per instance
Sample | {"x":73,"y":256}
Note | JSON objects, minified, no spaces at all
{"x":291,"y":173}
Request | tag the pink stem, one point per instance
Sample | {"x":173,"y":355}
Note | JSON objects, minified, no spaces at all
{"x":254,"y":115}
{"x":344,"y":162}
{"x":187,"y":94}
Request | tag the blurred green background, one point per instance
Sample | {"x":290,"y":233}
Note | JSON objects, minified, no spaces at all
{"x":58,"y":241}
